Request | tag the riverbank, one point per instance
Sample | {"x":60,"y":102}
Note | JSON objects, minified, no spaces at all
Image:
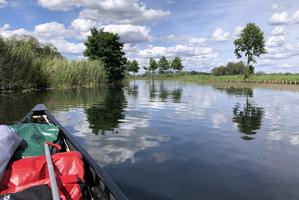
{"x":201,"y":78}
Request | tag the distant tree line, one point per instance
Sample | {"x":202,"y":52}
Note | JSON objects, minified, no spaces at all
{"x":232,"y":68}
{"x":163,"y":65}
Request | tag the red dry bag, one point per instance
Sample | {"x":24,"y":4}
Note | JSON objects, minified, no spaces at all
{"x":33,"y":171}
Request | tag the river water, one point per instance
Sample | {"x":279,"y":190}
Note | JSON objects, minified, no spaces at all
{"x":174,"y":140}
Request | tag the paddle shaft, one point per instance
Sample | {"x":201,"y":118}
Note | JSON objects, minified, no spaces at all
{"x":54,"y":188}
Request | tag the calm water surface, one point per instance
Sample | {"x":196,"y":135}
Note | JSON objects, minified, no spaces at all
{"x":172,"y":140}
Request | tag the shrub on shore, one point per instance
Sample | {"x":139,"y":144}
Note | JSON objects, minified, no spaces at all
{"x":230,"y":69}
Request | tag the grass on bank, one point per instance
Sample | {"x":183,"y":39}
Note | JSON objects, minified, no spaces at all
{"x":266,"y":78}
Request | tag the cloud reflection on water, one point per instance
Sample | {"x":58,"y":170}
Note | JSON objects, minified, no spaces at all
{"x":192,"y":128}
{"x":135,"y":127}
{"x":111,"y":149}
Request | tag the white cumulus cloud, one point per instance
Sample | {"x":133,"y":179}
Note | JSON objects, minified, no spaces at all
{"x":283,"y":18}
{"x":285,"y":51}
{"x":129,"y":33}
{"x":6,"y":32}
{"x":109,"y":11}
{"x":2,"y":3}
{"x":295,"y":17}
{"x":67,"y":47}
{"x":279,"y":18}
{"x":220,"y":35}
{"x":278,"y":7}
{"x":238,"y":30}
{"x":83,"y":25}
{"x":52,"y":30}
{"x":275,"y":41}
{"x":195,"y":40}
{"x":190,"y":40}
{"x":4,"y":27}
{"x":278,"y":30}
{"x":178,"y":50}
{"x":60,"y":4}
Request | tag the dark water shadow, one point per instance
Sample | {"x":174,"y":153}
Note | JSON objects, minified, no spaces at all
{"x":14,"y":106}
{"x":105,"y":115}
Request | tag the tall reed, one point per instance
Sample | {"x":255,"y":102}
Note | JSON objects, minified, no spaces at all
{"x":25,"y":63}
{"x":57,"y":72}
{"x":15,"y":63}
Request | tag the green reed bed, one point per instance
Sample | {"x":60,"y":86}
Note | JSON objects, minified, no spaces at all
{"x":62,"y":73}
{"x":25,"y":63}
{"x":15,"y":63}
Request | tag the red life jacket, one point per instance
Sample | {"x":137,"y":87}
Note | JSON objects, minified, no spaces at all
{"x":33,"y":171}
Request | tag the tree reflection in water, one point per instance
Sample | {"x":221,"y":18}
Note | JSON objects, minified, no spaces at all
{"x":164,"y":93}
{"x":106,"y":115}
{"x":152,"y":90}
{"x":177,"y":95}
{"x":248,"y":117}
{"x":132,"y":90}
{"x":247,"y":92}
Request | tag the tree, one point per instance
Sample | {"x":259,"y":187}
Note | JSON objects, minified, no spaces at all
{"x":106,"y":47}
{"x":133,"y":66}
{"x":177,"y":64}
{"x":250,"y":43}
{"x":163,"y":64}
{"x":153,"y":65}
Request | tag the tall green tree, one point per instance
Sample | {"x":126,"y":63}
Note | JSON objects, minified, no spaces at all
{"x":163,"y":64}
{"x":251,"y":43}
{"x":133,"y":66}
{"x":177,"y":64}
{"x":153,"y":65}
{"x":105,"y":46}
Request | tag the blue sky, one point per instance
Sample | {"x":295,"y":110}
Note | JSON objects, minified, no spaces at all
{"x":200,"y":31}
